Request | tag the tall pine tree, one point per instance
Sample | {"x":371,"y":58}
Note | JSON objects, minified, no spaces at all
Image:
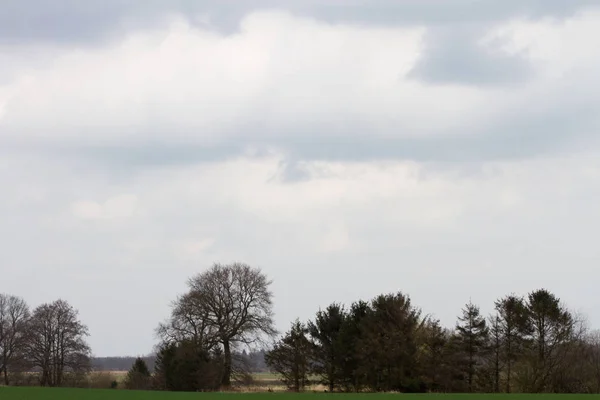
{"x":513,"y":323}
{"x":471,"y":336}
{"x":291,"y":357}
{"x":325,"y":331}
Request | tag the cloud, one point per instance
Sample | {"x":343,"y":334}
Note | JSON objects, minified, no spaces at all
{"x":120,"y":206}
{"x":308,"y":88}
{"x":385,"y":225}
{"x":69,"y":21}
{"x":459,"y":55}
{"x":192,"y":249}
{"x":314,"y":143}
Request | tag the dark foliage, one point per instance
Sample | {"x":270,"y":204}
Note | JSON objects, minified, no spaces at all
{"x":138,"y":377}
{"x":291,"y":357}
{"x":187,"y":367}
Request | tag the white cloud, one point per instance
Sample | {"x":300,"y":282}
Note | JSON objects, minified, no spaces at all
{"x":191,"y":249}
{"x":280,"y":73}
{"x":119,"y":206}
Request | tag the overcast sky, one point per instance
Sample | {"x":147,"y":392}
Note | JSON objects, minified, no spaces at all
{"x":449,"y":149}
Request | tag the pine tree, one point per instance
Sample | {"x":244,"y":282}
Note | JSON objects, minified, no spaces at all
{"x":349,"y":339}
{"x":513,"y":327}
{"x":550,"y":328}
{"x":471,"y":335}
{"x":291,"y":357}
{"x":138,"y":376}
{"x":325,"y":331}
{"x":495,"y":350}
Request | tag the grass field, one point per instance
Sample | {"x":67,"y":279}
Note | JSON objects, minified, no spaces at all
{"x":91,"y":394}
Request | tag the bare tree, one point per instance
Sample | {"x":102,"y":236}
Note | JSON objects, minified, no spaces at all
{"x":190,"y":322}
{"x":14,"y":314}
{"x":225,"y":306}
{"x":56,"y":342}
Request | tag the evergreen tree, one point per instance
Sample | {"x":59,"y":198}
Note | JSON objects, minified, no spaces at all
{"x":291,"y":357}
{"x":550,"y":328}
{"x":471,"y":334}
{"x":495,"y":351}
{"x":328,"y":351}
{"x":352,"y":376}
{"x":388,"y":346}
{"x":513,"y":322}
{"x":138,"y":376}
{"x":186,"y":366}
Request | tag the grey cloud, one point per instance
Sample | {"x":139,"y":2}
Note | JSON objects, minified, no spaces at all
{"x":80,"y":22}
{"x":558,"y":127}
{"x":452,"y":55}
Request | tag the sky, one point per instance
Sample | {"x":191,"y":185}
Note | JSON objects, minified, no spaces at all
{"x":448,"y":149}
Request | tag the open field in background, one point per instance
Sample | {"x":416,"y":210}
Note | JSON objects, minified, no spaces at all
{"x":107,"y":394}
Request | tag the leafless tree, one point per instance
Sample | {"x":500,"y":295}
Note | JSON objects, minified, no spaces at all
{"x":227,"y":305}
{"x":189,"y":321}
{"x":56,"y":342}
{"x":14,"y":314}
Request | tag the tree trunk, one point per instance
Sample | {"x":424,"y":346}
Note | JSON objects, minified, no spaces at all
{"x":497,"y":375}
{"x":226,"y":382}
{"x":5,"y":371}
{"x":508,"y":372}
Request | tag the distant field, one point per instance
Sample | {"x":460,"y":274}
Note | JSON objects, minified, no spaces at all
{"x":265,"y":376}
{"x":91,"y":394}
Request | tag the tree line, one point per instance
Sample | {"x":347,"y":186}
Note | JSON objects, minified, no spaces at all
{"x":530,"y":343}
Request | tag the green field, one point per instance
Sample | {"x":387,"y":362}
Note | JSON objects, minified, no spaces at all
{"x":90,"y":394}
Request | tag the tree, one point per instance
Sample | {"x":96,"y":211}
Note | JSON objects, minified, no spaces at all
{"x":495,"y":351}
{"x":513,"y":321}
{"x":14,"y":314}
{"x":190,"y":321}
{"x":291,"y":357}
{"x":185,"y":366}
{"x":352,"y":376}
{"x":56,"y":342}
{"x":387,"y":347}
{"x":472,"y":334}
{"x":433,"y":355}
{"x":551,"y":327}
{"x":227,"y":305}
{"x":325,"y":331}
{"x":592,"y":358}
{"x":138,"y":376}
